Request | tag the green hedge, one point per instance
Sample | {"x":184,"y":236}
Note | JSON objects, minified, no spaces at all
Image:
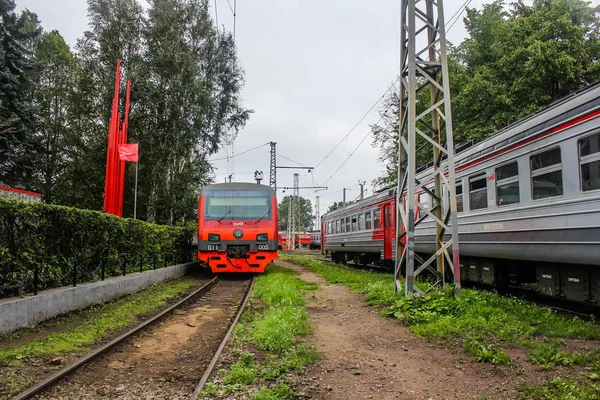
{"x":54,"y":241}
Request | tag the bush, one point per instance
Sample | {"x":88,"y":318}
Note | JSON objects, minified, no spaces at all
{"x":56,"y":239}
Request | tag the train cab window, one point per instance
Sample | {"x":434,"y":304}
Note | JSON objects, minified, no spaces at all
{"x":376,"y":219}
{"x":348,"y":228}
{"x":478,"y":191}
{"x":546,"y":174}
{"x":459,"y":196}
{"x":354,"y":224}
{"x":507,"y":184}
{"x":589,"y":161}
{"x":368,"y":224}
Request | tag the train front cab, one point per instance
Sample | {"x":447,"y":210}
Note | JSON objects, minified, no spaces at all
{"x":237,"y":227}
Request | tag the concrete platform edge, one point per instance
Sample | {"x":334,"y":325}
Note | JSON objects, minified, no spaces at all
{"x":20,"y":312}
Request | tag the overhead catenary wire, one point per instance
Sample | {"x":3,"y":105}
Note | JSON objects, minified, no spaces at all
{"x":239,"y":154}
{"x":358,"y":123}
{"x":351,"y":154}
{"x":457,"y":15}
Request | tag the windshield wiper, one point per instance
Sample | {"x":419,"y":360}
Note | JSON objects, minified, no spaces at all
{"x":226,"y":214}
{"x":264,"y":215}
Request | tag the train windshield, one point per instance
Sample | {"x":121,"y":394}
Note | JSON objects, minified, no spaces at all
{"x":237,"y":204}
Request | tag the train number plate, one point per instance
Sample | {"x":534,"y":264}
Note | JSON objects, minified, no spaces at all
{"x":263,"y":247}
{"x":213,"y":247}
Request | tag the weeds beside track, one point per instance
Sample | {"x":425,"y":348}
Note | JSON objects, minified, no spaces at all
{"x":485,"y":325}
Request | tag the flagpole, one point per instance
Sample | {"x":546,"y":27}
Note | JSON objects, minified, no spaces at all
{"x":135,"y":198}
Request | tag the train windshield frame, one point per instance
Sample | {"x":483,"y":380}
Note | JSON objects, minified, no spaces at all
{"x":237,"y":204}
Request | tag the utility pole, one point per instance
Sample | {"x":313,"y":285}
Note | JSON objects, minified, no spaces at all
{"x":318,"y":213}
{"x":294,"y":213}
{"x":362,"y":189}
{"x":425,"y":70}
{"x":344,"y":196}
{"x":273,"y":167}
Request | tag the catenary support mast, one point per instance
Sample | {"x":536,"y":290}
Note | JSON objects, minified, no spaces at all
{"x":273,"y":167}
{"x":424,"y":69}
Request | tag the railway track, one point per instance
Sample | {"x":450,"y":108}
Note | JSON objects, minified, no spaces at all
{"x":169,"y":356}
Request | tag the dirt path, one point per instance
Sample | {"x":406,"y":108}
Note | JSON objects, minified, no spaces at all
{"x":366,"y":356}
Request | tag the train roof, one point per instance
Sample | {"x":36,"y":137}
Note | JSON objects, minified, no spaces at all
{"x":350,"y":208}
{"x":237,"y":185}
{"x":576,"y":104}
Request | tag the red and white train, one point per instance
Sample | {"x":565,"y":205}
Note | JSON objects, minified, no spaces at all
{"x":528,"y":207}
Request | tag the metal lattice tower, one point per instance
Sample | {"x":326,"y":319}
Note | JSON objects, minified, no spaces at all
{"x":295,"y":209}
{"x":288,"y":241}
{"x":273,"y":168}
{"x":425,"y":70}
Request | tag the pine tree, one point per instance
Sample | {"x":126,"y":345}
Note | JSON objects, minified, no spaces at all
{"x":17,"y":115}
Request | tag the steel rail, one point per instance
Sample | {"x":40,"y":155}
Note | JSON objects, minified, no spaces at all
{"x":40,"y":386}
{"x":217,"y":354}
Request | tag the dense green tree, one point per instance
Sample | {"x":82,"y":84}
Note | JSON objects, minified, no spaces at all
{"x":53,"y":82}
{"x":521,"y":59}
{"x":18,"y":147}
{"x":190,"y":97}
{"x":115,"y":32}
{"x":515,"y":61}
{"x":305,"y":214}
{"x":335,"y":205}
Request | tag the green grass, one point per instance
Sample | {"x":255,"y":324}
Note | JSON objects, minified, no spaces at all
{"x":561,"y":389}
{"x":97,"y":322}
{"x":490,"y":318}
{"x":274,"y":324}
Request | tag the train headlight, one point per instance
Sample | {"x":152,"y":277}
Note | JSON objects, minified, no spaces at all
{"x":262,"y":237}
{"x":213,"y":237}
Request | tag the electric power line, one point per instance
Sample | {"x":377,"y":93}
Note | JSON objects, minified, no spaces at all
{"x":457,"y":14}
{"x":290,"y":160}
{"x":239,"y":154}
{"x":351,"y":154}
{"x":358,"y":123}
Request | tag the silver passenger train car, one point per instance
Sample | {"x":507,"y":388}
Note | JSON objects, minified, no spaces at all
{"x":528,"y":201}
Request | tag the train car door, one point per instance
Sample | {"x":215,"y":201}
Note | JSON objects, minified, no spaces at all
{"x":388,"y":231}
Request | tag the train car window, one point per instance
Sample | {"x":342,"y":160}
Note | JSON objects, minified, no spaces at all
{"x":478,"y":192}
{"x":342,"y":225}
{"x":546,"y":174}
{"x":589,"y":160}
{"x":507,"y":184}
{"x":424,"y":200}
{"x":348,"y":228}
{"x":459,"y":196}
{"x":354,"y":224}
{"x":329,"y":228}
{"x":376,"y":219}
{"x":337,"y":226}
{"x":368,"y":224}
{"x":361,"y":222}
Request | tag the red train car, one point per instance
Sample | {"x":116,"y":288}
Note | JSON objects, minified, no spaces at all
{"x":237,"y":227}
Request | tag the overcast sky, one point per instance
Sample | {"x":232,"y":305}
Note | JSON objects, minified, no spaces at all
{"x":313,"y":69}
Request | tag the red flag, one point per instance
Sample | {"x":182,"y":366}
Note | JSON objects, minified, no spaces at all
{"x":129,"y":152}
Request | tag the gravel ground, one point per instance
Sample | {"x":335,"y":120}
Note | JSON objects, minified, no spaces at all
{"x":163,"y":362}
